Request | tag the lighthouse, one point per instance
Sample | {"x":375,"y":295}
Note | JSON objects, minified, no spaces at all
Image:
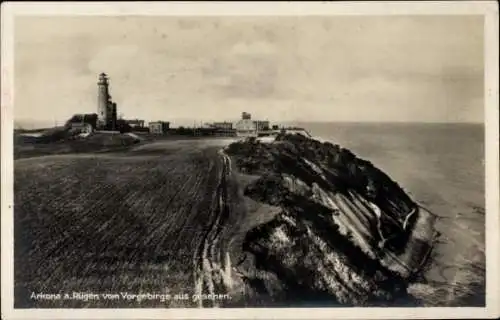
{"x":106,"y":108}
{"x":103,"y":100}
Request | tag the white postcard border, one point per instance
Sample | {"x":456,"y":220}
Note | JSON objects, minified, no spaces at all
{"x":487,"y":8}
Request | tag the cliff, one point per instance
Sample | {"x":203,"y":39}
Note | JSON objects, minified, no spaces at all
{"x":345,"y":233}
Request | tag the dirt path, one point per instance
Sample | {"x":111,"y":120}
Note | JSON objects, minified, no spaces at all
{"x":211,"y":263}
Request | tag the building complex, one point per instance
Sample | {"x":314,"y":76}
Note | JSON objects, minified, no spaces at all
{"x":106,"y":120}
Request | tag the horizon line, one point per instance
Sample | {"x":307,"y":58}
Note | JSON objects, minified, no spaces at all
{"x":41,"y":124}
{"x":267,"y":119}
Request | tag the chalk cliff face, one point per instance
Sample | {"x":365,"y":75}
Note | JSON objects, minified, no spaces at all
{"x":345,"y":233}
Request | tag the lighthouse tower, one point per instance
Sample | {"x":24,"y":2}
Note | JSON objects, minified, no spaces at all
{"x":103,"y":100}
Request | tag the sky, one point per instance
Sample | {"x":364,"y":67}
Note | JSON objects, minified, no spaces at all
{"x":316,"y":68}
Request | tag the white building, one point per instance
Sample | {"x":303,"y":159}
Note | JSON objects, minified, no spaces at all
{"x":261,"y":125}
{"x":245,"y":128}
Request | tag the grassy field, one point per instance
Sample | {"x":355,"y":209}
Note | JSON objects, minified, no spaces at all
{"x":110,"y":223}
{"x":64,"y":143}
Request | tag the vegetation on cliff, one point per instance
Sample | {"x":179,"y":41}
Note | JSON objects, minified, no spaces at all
{"x":345,"y":228}
{"x":293,"y":154}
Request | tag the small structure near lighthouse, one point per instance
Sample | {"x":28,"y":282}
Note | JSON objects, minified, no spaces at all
{"x":82,"y":123}
{"x":106,"y":108}
{"x":106,"y":117}
{"x":159,"y":127}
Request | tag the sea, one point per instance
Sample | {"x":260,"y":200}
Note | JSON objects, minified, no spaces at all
{"x":442,"y":167}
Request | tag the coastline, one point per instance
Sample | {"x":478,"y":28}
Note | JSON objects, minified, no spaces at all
{"x":185,"y":144}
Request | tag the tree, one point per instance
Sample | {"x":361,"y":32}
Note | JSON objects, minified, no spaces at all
{"x":123,"y":126}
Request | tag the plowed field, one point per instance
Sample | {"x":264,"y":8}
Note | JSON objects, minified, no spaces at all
{"x":114,"y":223}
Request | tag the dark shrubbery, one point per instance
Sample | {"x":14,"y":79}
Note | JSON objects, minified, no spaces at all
{"x":344,"y":169}
{"x":123,"y":126}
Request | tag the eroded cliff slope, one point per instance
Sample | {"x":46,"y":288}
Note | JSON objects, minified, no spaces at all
{"x":346,"y":232}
